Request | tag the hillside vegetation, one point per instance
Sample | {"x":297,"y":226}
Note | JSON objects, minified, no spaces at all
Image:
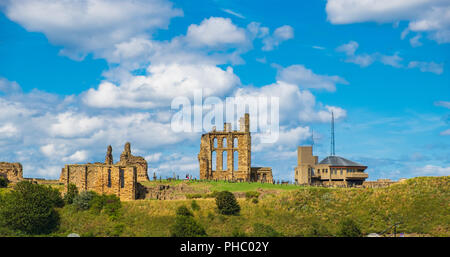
{"x":421,"y":206}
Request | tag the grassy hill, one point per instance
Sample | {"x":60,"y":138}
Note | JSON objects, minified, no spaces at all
{"x":422,"y":205}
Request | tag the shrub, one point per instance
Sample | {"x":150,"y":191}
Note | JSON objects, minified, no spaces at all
{"x":83,"y":200}
{"x":184,"y":211}
{"x":262,"y":230}
{"x":255,"y":200}
{"x":112,"y":205}
{"x":186,"y":226}
{"x":3,"y":182}
{"x":195,"y":206}
{"x":72,"y":192}
{"x":29,"y":208}
{"x":348,"y":228}
{"x":317,"y":229}
{"x":251,"y":195}
{"x":227,"y":204}
{"x":89,"y":200}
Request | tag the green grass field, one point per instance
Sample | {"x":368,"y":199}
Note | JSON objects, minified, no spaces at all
{"x":420,"y":204}
{"x":222,"y":185}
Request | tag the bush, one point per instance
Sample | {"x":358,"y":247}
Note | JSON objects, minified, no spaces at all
{"x":251,"y":195}
{"x":83,"y":200}
{"x":265,"y":231}
{"x":348,"y":228}
{"x":227,"y":204}
{"x":72,"y":192}
{"x":29,"y":208}
{"x":316,"y":230}
{"x":195,"y":206}
{"x":255,"y":200}
{"x":186,"y":226}
{"x":3,"y":182}
{"x":89,"y":200}
{"x":184,"y":211}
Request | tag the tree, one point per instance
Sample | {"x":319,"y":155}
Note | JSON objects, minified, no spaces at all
{"x":29,"y":208}
{"x":184,"y":211}
{"x":349,"y":228}
{"x":3,"y":182}
{"x":72,"y":192}
{"x":227,"y":204}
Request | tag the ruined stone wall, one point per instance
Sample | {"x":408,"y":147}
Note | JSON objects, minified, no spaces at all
{"x":102,"y":178}
{"x":262,"y":174}
{"x":126,"y":158}
{"x":233,"y":168}
{"x":232,"y":143}
{"x":11,"y":171}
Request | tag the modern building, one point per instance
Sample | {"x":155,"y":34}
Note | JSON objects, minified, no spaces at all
{"x":331,"y":171}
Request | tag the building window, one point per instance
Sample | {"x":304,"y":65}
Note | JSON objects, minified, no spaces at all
{"x":109,"y":178}
{"x":225,"y":160}
{"x":122,"y":178}
{"x":236,"y":160}
{"x":224,"y":142}
{"x":214,"y":161}
{"x":235,"y":143}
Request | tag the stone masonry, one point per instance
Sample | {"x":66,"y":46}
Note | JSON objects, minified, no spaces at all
{"x":226,"y":155}
{"x":11,"y":171}
{"x":120,"y":179}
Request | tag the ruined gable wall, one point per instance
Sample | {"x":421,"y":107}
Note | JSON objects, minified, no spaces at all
{"x":11,"y":171}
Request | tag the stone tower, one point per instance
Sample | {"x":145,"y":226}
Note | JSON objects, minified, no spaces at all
{"x":126,"y":158}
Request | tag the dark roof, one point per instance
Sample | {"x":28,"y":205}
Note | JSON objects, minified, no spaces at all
{"x":339,"y":161}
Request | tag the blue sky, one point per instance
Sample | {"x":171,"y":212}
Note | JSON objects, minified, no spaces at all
{"x":76,"y":76}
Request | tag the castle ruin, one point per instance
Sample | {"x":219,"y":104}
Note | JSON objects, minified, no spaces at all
{"x":11,"y":171}
{"x":120,"y":179}
{"x":226,"y":155}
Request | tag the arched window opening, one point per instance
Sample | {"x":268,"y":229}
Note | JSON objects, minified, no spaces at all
{"x":224,"y":142}
{"x":235,"y":143}
{"x":225,"y":160}
{"x":236,"y":161}
{"x":215,"y":142}
{"x":214,"y":161}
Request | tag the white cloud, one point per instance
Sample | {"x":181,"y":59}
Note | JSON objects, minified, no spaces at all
{"x":78,"y":156}
{"x":432,"y":16}
{"x":234,"y":13}
{"x":296,"y":105}
{"x":393,"y":60}
{"x":350,"y":48}
{"x":414,"y":41}
{"x":280,"y":35}
{"x":153,"y":157}
{"x":161,"y":85}
{"x":69,"y":124}
{"x":445,"y":132}
{"x":306,"y":78}
{"x":289,"y":138}
{"x":427,"y":66}
{"x":9,"y":87}
{"x":8,"y":130}
{"x":81,"y":27}
{"x":443,"y":104}
{"x":432,"y":170}
{"x":215,"y":31}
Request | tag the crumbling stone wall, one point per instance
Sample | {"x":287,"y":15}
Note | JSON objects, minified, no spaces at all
{"x":11,"y":171}
{"x":262,"y":174}
{"x":126,"y":158}
{"x":120,"y":179}
{"x":236,"y":146}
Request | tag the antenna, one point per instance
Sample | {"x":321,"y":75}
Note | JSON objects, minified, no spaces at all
{"x":332,"y":134}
